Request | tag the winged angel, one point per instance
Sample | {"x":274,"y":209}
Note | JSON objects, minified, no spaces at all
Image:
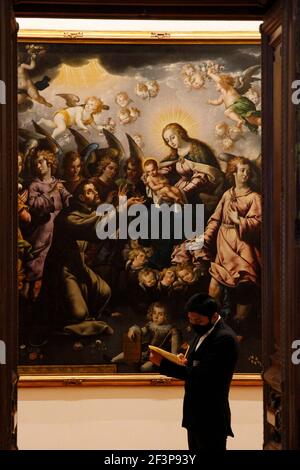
{"x":82,"y":115}
{"x":238,"y":108}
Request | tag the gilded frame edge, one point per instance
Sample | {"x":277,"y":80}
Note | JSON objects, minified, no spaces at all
{"x":26,"y":380}
{"x":53,"y":376}
{"x":218,"y":36}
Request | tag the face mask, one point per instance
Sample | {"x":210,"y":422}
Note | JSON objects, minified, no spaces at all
{"x":202,"y":329}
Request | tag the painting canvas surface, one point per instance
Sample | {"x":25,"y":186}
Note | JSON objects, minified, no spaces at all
{"x":160,"y":124}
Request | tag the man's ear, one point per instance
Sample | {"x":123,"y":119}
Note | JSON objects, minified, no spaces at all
{"x":80,"y":197}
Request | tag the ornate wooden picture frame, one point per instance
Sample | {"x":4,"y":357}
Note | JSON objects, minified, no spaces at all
{"x":146,"y":86}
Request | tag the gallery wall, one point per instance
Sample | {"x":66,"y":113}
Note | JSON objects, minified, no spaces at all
{"x":95,"y":418}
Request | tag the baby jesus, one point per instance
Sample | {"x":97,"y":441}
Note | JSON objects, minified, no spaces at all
{"x":159,"y":184}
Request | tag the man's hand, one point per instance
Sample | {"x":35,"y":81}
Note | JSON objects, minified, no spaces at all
{"x":155,"y":358}
{"x":123,"y":188}
{"x":182,"y":359}
{"x":131,"y":335}
{"x":135,"y":200}
{"x":57,"y":187}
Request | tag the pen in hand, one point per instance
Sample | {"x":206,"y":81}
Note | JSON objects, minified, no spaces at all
{"x":182,"y":357}
{"x":186,"y":352}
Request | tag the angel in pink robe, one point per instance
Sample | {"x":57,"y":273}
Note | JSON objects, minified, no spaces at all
{"x":234,"y":230}
{"x":46,"y":197}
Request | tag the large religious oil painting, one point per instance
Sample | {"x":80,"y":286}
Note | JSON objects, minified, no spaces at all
{"x":139,"y":185}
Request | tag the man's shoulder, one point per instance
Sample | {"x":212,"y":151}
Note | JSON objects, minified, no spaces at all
{"x":224,"y":332}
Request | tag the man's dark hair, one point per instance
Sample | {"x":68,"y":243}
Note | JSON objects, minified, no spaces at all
{"x":203,"y":304}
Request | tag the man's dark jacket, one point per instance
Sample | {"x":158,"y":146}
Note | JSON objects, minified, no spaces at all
{"x":207,"y":379}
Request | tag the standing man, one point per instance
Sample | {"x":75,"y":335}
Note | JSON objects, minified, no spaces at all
{"x":207,"y":371}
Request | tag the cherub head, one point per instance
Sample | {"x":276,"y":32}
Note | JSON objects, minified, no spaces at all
{"x":197,"y":80}
{"x":134,"y":113}
{"x":221,"y":129}
{"x":227,"y":143}
{"x":226,"y":82}
{"x":158,"y":313}
{"x":122,"y":99}
{"x":138,"y":258}
{"x":94,"y":105}
{"x":168,"y":276}
{"x":124,"y":115}
{"x":141,"y":90}
{"x":188,"y":69}
{"x":153,"y":88}
{"x":147,"y":277}
{"x":187,"y":274}
{"x":235,"y":133}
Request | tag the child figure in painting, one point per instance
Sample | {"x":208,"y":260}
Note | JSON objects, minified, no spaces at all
{"x":159,"y":184}
{"x":158,"y":331}
{"x":239,"y":108}
{"x":80,"y":115}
